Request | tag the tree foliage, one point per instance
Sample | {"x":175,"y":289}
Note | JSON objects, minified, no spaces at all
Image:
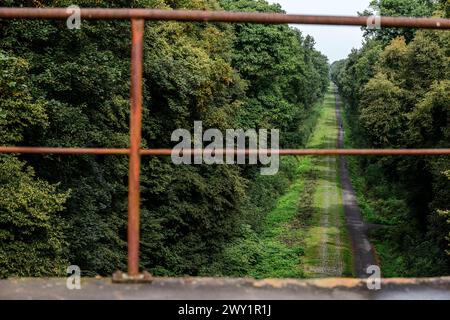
{"x":402,"y":100}
{"x":70,"y":88}
{"x":31,"y":227}
{"x":397,"y":8}
{"x":285,"y":74}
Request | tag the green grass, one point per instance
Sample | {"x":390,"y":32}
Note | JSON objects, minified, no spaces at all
{"x":333,"y":256}
{"x":282,"y":238}
{"x":391,"y":262}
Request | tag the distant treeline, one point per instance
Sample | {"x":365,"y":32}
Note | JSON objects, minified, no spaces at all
{"x":397,"y":92}
{"x":70,"y":88}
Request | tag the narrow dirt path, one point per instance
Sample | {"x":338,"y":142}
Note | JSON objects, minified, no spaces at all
{"x":363,"y":253}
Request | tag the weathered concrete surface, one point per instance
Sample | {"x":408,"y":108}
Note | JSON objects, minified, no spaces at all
{"x":228,"y":289}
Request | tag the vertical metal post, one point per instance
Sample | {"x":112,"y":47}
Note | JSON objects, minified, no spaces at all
{"x":137,"y":48}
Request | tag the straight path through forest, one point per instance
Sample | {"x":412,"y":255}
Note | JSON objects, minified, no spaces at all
{"x":363,"y":252}
{"x":336,"y":240}
{"x":327,"y":247}
{"x":316,"y":229}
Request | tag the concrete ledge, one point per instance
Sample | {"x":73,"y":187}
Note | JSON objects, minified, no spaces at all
{"x":225,"y":288}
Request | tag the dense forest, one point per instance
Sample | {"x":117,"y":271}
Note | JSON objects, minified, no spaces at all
{"x":70,"y":88}
{"x":397,"y":93}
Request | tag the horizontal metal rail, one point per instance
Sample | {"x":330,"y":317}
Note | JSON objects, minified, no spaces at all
{"x":308,"y":152}
{"x":64,"y":151}
{"x":221,"y":16}
{"x":282,"y":152}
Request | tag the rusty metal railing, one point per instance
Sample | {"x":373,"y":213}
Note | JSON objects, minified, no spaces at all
{"x":220,"y":16}
{"x":138,"y":17}
{"x":194,"y":152}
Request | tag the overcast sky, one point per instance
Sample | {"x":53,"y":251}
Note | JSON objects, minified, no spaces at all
{"x":333,"y":41}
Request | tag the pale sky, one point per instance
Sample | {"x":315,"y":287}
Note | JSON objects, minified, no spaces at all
{"x":335,"y":42}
